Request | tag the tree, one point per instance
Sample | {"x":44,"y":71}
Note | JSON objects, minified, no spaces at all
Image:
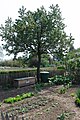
{"x":1,"y":53}
{"x":71,"y":39}
{"x":32,"y":61}
{"x":37,"y":33}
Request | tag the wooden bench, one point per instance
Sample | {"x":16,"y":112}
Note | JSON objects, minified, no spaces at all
{"x":20,"y":82}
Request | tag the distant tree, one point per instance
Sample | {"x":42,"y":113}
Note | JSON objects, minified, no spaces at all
{"x":32,"y":61}
{"x":39,"y":32}
{"x":45,"y":61}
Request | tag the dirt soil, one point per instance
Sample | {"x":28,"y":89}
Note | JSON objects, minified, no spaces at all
{"x":48,"y":104}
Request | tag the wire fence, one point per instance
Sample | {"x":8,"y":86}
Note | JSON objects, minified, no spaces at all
{"x":12,"y":117}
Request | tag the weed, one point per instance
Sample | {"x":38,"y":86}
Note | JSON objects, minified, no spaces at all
{"x":61,"y":117}
{"x":23,"y":110}
{"x":62,"y":90}
{"x":77,"y":101}
{"x":72,"y":94}
{"x":78,"y":93}
{"x":0,"y":104}
{"x":38,"y":87}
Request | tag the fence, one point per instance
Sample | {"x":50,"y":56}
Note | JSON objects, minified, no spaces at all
{"x":7,"y":117}
{"x":7,"y":77}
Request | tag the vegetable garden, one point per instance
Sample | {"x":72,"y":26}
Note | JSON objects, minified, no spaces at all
{"x":59,"y":100}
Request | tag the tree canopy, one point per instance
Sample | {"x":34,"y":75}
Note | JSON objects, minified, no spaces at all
{"x":36,"y":33}
{"x":1,"y":53}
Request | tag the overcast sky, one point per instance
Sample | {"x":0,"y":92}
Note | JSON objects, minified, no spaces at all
{"x":70,"y":11}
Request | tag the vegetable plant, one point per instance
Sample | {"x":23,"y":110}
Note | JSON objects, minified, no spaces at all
{"x":62,"y":90}
{"x":59,"y":79}
{"x":61,"y":117}
{"x":18,"y":97}
{"x":39,"y":86}
{"x":77,"y":101}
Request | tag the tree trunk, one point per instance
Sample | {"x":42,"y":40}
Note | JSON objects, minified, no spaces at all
{"x":39,"y":54}
{"x":38,"y":68}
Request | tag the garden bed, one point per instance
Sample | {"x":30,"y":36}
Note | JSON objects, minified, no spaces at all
{"x":48,"y":104}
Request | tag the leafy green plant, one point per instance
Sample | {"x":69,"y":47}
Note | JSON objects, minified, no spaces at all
{"x":39,"y":86}
{"x":61,"y":68}
{"x":72,"y":94}
{"x":0,"y":104}
{"x":68,"y":85}
{"x":78,"y":93}
{"x":10,"y":100}
{"x":65,"y":87}
{"x":62,"y":90}
{"x":77,"y":101}
{"x":23,"y":110}
{"x":61,"y":117}
{"x":18,"y":98}
{"x":26,"y":95}
{"x":59,"y":79}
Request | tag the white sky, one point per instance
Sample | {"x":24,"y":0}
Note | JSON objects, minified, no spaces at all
{"x":70,"y":11}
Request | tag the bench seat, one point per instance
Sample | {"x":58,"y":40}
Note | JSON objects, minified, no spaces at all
{"x":20,"y":82}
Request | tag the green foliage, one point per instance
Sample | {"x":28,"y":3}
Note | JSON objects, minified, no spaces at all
{"x":78,"y":93}
{"x":73,"y":65}
{"x":10,"y":100}
{"x":7,"y":71}
{"x":77,"y":101}
{"x":72,"y":94}
{"x":27,"y":95}
{"x":0,"y":104}
{"x":13,"y":63}
{"x":17,"y":70}
{"x":61,"y":68}
{"x":62,"y":90}
{"x":18,"y":98}
{"x":68,"y":85}
{"x":61,"y":117}
{"x":32,"y":61}
{"x":39,"y":86}
{"x":59,"y":79}
{"x":37,"y":32}
{"x":45,"y":60}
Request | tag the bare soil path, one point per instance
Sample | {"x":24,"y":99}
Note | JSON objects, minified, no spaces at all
{"x":47,"y":104}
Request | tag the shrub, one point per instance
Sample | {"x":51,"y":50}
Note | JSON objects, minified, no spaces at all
{"x":59,"y":79}
{"x":61,"y":68}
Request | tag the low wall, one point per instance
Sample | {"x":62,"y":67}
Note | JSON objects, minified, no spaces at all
{"x":7,"y":77}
